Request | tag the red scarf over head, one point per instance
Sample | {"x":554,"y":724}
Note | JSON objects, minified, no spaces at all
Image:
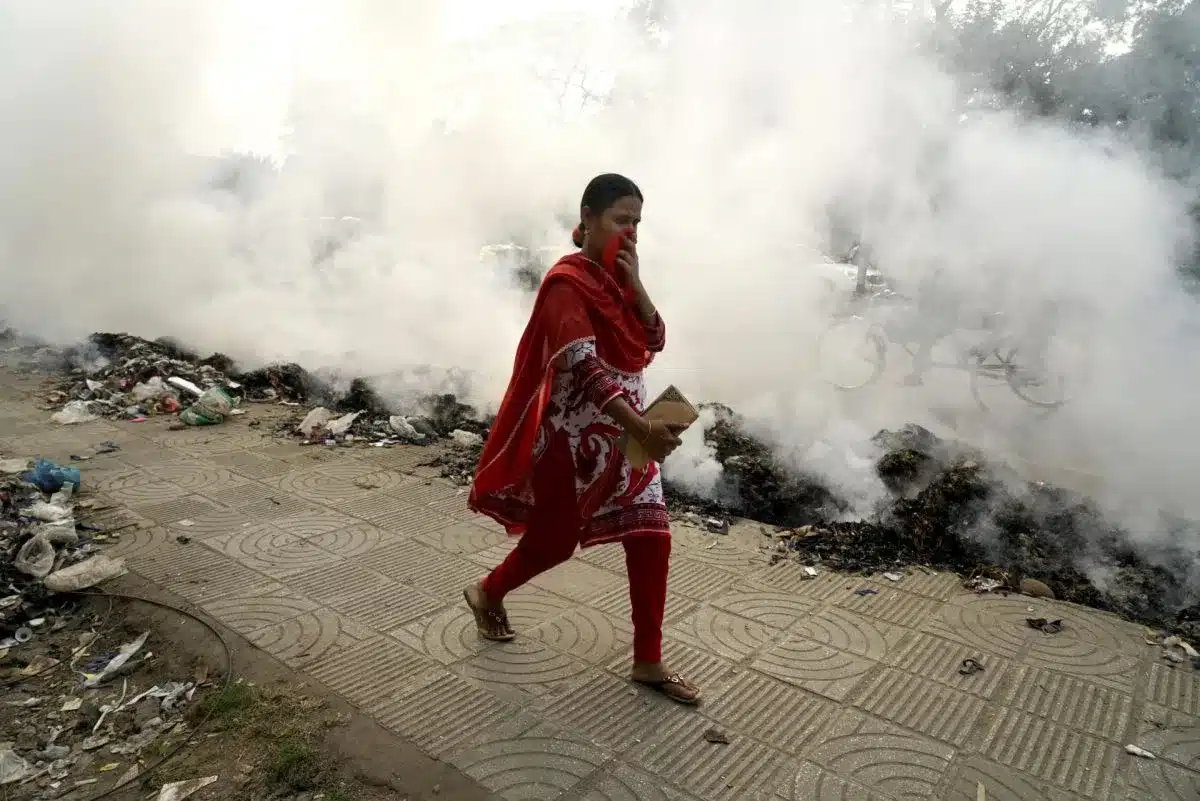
{"x":503,"y":483}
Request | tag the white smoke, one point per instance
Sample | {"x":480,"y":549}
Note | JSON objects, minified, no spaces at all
{"x":741,"y":132}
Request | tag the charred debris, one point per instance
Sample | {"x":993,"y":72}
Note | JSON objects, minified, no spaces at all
{"x":949,"y":508}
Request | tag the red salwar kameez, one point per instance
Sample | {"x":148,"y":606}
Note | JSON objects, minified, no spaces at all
{"x":551,"y":470}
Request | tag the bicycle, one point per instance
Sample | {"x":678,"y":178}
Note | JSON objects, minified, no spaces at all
{"x":998,"y":356}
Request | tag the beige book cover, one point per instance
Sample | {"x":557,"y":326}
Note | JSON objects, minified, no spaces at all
{"x":670,"y":407}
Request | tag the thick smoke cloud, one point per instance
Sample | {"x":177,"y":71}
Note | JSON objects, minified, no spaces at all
{"x":743,"y":132}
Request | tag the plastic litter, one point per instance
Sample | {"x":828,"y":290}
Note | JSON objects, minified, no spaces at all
{"x":76,"y":411}
{"x":149,"y":390}
{"x":1139,"y":752}
{"x":13,"y":768}
{"x":865,"y":591}
{"x":1182,"y":644}
{"x":123,"y":655}
{"x":172,"y":695}
{"x":712,"y":524}
{"x":185,"y":385}
{"x":894,"y":576}
{"x":404,"y":430}
{"x":36,"y":557}
{"x":985,"y":585}
{"x":810,"y":571}
{"x":209,"y":409}
{"x":11,"y":466}
{"x":87,"y":573}
{"x":465,"y":439}
{"x":341,"y":425}
{"x":95,"y":742}
{"x":315,"y":421}
{"x":177,"y":791}
{"x":49,"y":477}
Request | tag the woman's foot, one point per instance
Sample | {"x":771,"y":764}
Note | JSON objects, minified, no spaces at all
{"x":656,"y":676}
{"x":490,"y":618}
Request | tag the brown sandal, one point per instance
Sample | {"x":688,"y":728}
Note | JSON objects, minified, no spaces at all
{"x":675,"y":687}
{"x":491,"y":625}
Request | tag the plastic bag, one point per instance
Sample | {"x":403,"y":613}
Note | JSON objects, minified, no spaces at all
{"x":13,"y":767}
{"x":465,"y":439}
{"x":153,"y":388}
{"x":49,"y":477}
{"x":10,"y":466}
{"x":342,"y":424}
{"x":87,"y":573}
{"x":405,"y":430}
{"x":315,"y":421}
{"x":210,"y":409}
{"x":36,"y":557}
{"x":74,"y":412}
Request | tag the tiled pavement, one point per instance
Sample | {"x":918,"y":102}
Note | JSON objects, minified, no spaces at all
{"x":348,"y":564}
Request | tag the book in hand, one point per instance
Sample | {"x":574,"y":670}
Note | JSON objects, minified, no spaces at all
{"x":672,"y":408}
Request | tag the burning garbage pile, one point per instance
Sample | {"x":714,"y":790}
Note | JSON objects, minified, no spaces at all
{"x":123,"y":376}
{"x":362,"y":416}
{"x":126,"y":377}
{"x":755,"y":483}
{"x":950,"y":508}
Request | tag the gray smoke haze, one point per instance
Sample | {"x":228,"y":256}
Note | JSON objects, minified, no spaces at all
{"x":741,"y":132}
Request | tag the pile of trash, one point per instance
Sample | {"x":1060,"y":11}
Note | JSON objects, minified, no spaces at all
{"x":459,"y":462}
{"x":951,"y":509}
{"x":361,"y":416}
{"x":45,"y":549}
{"x":123,"y":376}
{"x":127,"y":377}
{"x":755,"y":481}
{"x":87,"y":707}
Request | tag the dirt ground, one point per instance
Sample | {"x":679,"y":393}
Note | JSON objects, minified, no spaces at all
{"x":261,"y":731}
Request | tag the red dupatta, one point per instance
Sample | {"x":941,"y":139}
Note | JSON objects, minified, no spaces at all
{"x":502,"y":488}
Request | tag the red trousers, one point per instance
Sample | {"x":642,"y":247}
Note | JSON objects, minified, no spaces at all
{"x":551,"y":536}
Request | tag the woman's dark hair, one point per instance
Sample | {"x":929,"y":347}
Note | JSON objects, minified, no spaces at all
{"x":600,"y":195}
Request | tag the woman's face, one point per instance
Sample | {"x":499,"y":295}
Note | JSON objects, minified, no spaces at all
{"x":621,"y":217}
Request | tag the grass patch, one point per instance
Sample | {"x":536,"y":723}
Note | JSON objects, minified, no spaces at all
{"x":288,"y":726}
{"x":228,"y":709}
{"x":298,"y":766}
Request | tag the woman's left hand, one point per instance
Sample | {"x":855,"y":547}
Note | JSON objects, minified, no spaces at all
{"x":627,"y":261}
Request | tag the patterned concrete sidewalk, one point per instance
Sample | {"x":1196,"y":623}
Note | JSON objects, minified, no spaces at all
{"x":348,"y":564}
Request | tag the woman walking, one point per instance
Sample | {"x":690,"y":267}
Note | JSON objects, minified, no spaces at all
{"x":551,"y":470}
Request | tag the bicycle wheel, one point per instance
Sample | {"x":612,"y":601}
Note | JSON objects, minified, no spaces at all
{"x":851,"y":353}
{"x":1036,"y":387}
